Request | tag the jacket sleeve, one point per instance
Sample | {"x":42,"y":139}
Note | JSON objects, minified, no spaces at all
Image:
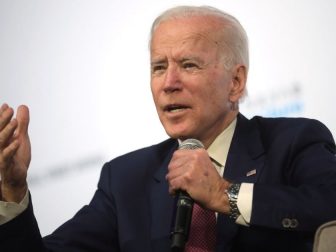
{"x":21,"y":233}
{"x":297,"y":190}
{"x":93,"y":228}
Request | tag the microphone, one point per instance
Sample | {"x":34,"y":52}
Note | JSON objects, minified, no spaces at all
{"x":184,"y":206}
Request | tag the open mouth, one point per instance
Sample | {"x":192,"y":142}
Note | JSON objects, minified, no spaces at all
{"x":174,"y":108}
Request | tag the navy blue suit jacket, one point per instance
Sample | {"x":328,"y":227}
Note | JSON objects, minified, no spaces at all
{"x":294,"y":193}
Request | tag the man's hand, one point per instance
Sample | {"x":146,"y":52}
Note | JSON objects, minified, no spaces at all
{"x":192,"y":171}
{"x":15,"y":153}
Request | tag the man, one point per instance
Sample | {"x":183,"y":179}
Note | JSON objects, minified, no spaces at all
{"x":271,"y":182}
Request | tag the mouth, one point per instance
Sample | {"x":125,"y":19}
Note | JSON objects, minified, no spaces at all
{"x":175,"y":108}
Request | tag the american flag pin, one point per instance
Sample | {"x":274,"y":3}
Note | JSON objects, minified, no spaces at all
{"x":252,"y":172}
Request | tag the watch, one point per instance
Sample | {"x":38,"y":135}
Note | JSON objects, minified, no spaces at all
{"x":232,"y":194}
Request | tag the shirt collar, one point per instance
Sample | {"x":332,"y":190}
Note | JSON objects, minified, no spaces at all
{"x":219,"y":149}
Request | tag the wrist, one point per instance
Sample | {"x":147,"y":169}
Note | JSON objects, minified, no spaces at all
{"x":220,"y":202}
{"x":10,"y":193}
{"x":232,"y":194}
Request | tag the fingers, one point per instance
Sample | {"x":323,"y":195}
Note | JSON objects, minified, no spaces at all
{"x":176,"y":183}
{"x":15,"y":152}
{"x":6,"y":114}
{"x":7,"y":133}
{"x":10,"y":151}
{"x":8,"y":147}
{"x":22,"y":117}
{"x":11,"y":128}
{"x":179,"y":170}
{"x":183,"y":170}
{"x":7,"y":125}
{"x":3,"y":107}
{"x":186,"y":162}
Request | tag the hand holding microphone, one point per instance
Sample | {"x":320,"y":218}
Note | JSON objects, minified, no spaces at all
{"x":191,"y":176}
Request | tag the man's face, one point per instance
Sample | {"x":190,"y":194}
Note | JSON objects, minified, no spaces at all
{"x":189,"y":83}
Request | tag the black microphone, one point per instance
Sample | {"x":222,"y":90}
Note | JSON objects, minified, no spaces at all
{"x":184,"y":207}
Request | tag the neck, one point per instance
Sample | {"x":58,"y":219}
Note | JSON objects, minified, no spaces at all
{"x":207,"y":141}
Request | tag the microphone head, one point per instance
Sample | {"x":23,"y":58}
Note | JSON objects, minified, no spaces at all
{"x":191,"y":144}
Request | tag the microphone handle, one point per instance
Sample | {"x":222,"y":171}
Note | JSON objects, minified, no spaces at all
{"x":184,"y":206}
{"x":180,"y":233}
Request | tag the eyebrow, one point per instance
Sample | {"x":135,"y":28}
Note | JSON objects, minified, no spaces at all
{"x":158,"y":61}
{"x":183,"y":59}
{"x":195,"y":58}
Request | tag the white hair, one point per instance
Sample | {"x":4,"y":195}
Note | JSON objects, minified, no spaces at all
{"x":233,"y":34}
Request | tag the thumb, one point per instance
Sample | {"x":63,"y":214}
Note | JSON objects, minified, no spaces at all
{"x":22,"y":117}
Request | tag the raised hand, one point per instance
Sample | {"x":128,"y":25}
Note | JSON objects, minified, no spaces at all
{"x":15,"y":153}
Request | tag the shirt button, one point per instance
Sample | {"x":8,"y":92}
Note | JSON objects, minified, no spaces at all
{"x":294,"y":223}
{"x":286,"y":223}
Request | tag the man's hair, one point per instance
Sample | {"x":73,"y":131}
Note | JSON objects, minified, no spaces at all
{"x":233,"y":35}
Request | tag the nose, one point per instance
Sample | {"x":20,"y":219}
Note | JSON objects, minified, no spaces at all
{"x":172,"y":81}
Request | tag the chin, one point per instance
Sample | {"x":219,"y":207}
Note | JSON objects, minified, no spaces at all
{"x":179,"y":135}
{"x":179,"y":132}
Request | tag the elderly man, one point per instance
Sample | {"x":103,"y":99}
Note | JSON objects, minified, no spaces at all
{"x":260,"y":184}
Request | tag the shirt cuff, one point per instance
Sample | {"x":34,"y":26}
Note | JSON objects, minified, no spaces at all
{"x":244,"y":204}
{"x":10,"y":210}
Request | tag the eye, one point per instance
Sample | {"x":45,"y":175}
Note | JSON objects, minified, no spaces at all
{"x":158,"y":68}
{"x":190,"y":65}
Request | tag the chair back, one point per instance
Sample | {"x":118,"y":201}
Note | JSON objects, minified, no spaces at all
{"x":325,"y":238}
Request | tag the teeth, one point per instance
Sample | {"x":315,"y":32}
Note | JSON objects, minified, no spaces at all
{"x":176,"y":110}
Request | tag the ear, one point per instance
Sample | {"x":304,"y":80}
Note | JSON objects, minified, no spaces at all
{"x":239,"y":77}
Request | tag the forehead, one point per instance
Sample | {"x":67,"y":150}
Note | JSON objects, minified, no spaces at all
{"x":198,"y":33}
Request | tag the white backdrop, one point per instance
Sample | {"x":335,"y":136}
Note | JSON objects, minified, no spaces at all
{"x":82,"y":67}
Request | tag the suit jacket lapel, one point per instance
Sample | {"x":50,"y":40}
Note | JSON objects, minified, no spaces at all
{"x":244,"y":164}
{"x":161,"y":203}
{"x":246,"y":154}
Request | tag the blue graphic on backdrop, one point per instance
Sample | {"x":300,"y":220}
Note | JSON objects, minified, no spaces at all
{"x":280,"y":102}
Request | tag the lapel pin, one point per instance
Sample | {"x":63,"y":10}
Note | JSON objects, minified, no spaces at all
{"x":252,"y":172}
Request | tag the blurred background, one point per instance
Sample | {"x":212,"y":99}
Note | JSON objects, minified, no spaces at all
{"x":82,"y":67}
